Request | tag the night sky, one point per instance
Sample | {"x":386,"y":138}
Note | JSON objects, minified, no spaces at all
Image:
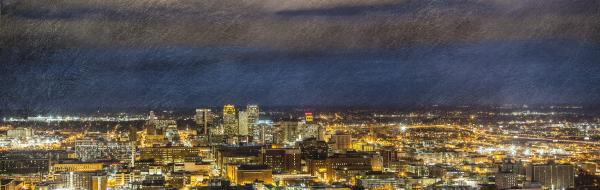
{"x":70,"y":55}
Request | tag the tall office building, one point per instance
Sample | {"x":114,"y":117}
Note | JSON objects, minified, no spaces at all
{"x":253,"y":113}
{"x":243,"y":123}
{"x":287,"y":132}
{"x":262,"y":133}
{"x":389,"y":154}
{"x":204,"y":119}
{"x":552,"y":175}
{"x":230,"y":123}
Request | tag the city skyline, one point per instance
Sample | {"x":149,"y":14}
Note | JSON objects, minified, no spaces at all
{"x":246,"y":148}
{"x":299,"y":94}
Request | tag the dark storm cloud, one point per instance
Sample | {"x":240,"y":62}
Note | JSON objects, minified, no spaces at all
{"x":298,"y":24}
{"x":65,"y":54}
{"x":410,"y":7}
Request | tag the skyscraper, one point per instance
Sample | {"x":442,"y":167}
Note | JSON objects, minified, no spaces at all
{"x":243,"y":122}
{"x":262,"y":132}
{"x":204,"y":119}
{"x":230,"y":125}
{"x":253,"y":113}
{"x":287,"y":131}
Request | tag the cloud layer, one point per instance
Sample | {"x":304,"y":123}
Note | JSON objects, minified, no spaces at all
{"x":297,"y":23}
{"x":66,"y":54}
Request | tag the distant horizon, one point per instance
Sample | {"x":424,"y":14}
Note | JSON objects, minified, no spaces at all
{"x":302,"y":108}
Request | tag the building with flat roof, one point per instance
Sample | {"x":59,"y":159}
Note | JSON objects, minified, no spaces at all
{"x":282,"y":160}
{"x":552,"y":175}
{"x":249,"y":174}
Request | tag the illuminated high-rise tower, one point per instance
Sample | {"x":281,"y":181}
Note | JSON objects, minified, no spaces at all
{"x":230,"y":125}
{"x":204,"y":119}
{"x":243,"y":123}
{"x":252,"y":113}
